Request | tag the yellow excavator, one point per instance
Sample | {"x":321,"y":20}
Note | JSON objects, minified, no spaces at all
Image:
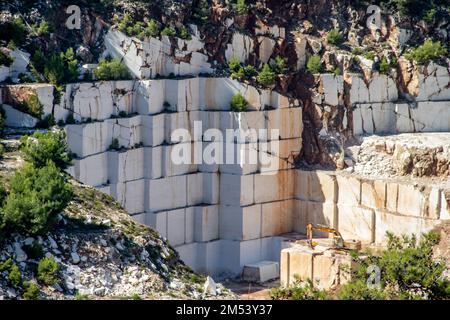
{"x":338,"y":241}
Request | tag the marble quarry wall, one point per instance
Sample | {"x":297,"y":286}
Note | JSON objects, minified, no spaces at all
{"x":152,"y":57}
{"x":221,"y":217}
{"x":207,"y":211}
{"x":364,"y":208}
{"x":376,"y":107}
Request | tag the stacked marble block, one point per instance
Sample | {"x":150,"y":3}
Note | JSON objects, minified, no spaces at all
{"x":365,"y":209}
{"x":377,"y":108}
{"x":218,"y":216}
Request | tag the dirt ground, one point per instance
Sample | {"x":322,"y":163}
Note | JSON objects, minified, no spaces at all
{"x":251,"y":291}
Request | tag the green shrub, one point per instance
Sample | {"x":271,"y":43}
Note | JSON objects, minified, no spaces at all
{"x":6,"y":265}
{"x":32,"y":106}
{"x":14,"y":276}
{"x":36,"y":196}
{"x":358,"y":290}
{"x":5,"y":60}
{"x":370,"y":55}
{"x":278,"y":65}
{"x":241,"y":7}
{"x":169,"y":31}
{"x":314,"y":64}
{"x":49,"y":146}
{"x":24,"y":78}
{"x":124,"y":23}
{"x":42,"y":28}
{"x":415,"y":8}
{"x":408,"y":271}
{"x":357,"y":51}
{"x":335,"y":37}
{"x":47,"y":122}
{"x":183,"y":33}
{"x":31,"y":291}
{"x":80,"y":296}
{"x":3,"y":194}
{"x":59,"y":68}
{"x":48,"y":271}
{"x":152,"y":29}
{"x":111,"y":69}
{"x":428,"y":51}
{"x":238,"y":103}
{"x":138,"y":29}
{"x":299,"y":291}
{"x":202,"y":12}
{"x":2,"y":150}
{"x":337,"y":71}
{"x":249,"y":71}
{"x":14,"y":32}
{"x":234,"y":64}
{"x":114,"y":144}
{"x":384,"y":66}
{"x":266,"y":76}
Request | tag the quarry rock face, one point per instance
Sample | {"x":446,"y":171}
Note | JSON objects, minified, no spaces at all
{"x":383,"y":135}
{"x":152,"y":56}
{"x":203,"y":209}
{"x":238,"y":210}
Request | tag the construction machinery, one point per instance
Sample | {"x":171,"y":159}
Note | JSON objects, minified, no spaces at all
{"x":338,"y":241}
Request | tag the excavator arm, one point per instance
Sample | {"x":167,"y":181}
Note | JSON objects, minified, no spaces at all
{"x":339,"y":241}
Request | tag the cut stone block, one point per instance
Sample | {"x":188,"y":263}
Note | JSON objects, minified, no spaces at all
{"x":349,"y":190}
{"x":273,"y":187}
{"x":130,"y":195}
{"x":206,"y":221}
{"x":92,"y":170}
{"x":240,"y":223}
{"x":211,"y":188}
{"x":295,"y":264}
{"x":278,"y":154}
{"x":194,"y":189}
{"x":188,"y":253}
{"x":391,"y":196}
{"x":153,"y":162}
{"x":287,"y":121}
{"x":189,"y":223}
{"x":167,"y":193}
{"x":158,"y":221}
{"x":277,"y":218}
{"x":153,"y":127}
{"x":316,"y":186}
{"x":261,"y":271}
{"x":176,"y":224}
{"x":210,"y":258}
{"x":239,"y":159}
{"x":236,"y":190}
{"x":410,"y":201}
{"x":373,"y":194}
{"x":130,"y":165}
{"x":356,"y":223}
{"x":149,"y":96}
{"x":317,"y":213}
{"x":92,"y":100}
{"x":400,"y":225}
{"x":178,"y":159}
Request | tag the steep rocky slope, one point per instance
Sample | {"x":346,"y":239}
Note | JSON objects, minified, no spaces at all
{"x":100,"y":250}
